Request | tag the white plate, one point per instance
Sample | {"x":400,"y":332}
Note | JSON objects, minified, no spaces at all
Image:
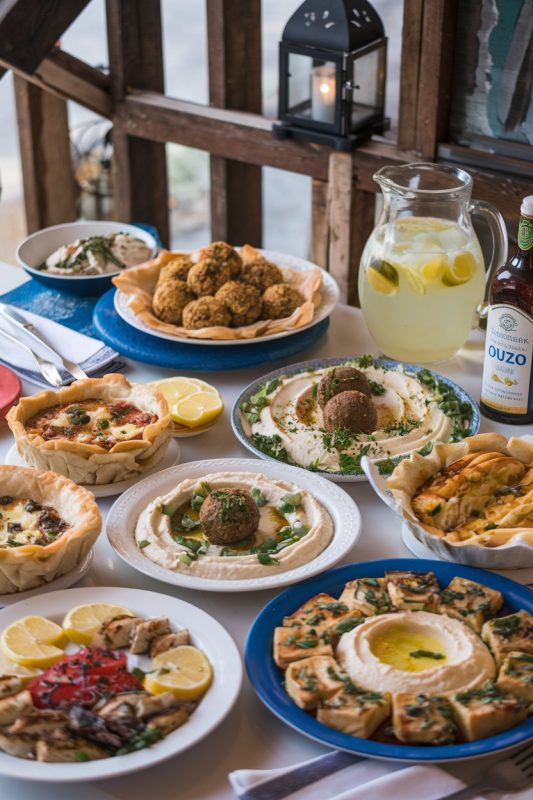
{"x":171,"y":457}
{"x":63,"y":582}
{"x":123,"y":516}
{"x":206,"y":633}
{"x":421,"y":550}
{"x":329,"y":299}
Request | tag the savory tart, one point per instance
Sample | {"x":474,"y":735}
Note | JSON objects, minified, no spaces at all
{"x":96,"y":700}
{"x":414,"y":667}
{"x":479,"y":491}
{"x":48,"y":524}
{"x":99,"y":430}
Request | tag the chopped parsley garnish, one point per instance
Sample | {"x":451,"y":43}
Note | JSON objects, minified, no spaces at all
{"x":426,"y":654}
{"x":143,"y":543}
{"x":377,"y":388}
{"x":266,"y":559}
{"x":259,"y":497}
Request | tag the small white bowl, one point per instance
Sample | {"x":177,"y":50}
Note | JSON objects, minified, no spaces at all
{"x":39,"y":245}
{"x":516,"y":554}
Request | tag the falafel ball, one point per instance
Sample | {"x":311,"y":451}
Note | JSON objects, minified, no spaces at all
{"x":207,"y":276}
{"x":224,"y":254}
{"x":242,"y":301}
{"x":280,"y":300}
{"x":229,"y":515}
{"x":205,"y":312}
{"x":261,"y":274}
{"x":170,"y":299}
{"x":175,"y":270}
{"x":350,"y":411}
{"x":342,"y":379}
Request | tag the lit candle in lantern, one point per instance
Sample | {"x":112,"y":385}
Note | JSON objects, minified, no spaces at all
{"x":323,"y":94}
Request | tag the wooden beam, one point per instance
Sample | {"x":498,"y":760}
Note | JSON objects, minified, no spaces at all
{"x":234,"y":59}
{"x":319,"y":245}
{"x":136,"y":59}
{"x":30,"y":28}
{"x":435,"y":75}
{"x":49,"y":190}
{"x":410,"y":72}
{"x":67,"y":77}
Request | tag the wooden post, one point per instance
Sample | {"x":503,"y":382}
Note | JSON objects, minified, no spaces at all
{"x":234,"y":52}
{"x":49,"y":190}
{"x":413,"y":11}
{"x":136,"y":60}
{"x":351,"y":220}
{"x":319,"y":245}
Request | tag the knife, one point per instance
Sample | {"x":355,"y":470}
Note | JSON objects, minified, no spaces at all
{"x":46,"y":368}
{"x":14,"y":318}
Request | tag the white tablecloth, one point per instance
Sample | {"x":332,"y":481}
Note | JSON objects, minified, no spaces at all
{"x":251,"y":737}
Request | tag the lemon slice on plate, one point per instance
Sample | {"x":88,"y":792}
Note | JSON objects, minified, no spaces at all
{"x":183,"y":670}
{"x":83,"y":622}
{"x":193,"y":403}
{"x":460,"y":270}
{"x":33,"y":642}
{"x":9,"y":667}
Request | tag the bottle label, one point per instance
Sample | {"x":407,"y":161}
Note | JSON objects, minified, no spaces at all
{"x":508,"y":358}
{"x":525,"y":233}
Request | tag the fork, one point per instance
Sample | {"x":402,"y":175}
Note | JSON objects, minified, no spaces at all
{"x":509,"y":775}
{"x":46,"y":368}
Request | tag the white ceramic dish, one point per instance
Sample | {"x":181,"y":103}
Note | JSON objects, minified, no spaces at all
{"x":123,"y":516}
{"x":171,"y":457}
{"x":63,"y":582}
{"x":513,"y":555}
{"x":206,"y":633}
{"x":329,"y":299}
{"x":39,"y":245}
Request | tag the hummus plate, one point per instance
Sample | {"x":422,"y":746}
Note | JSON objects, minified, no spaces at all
{"x":279,"y":416}
{"x":268,"y":679}
{"x":326,"y":520}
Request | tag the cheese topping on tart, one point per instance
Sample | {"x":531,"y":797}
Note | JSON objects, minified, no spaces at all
{"x":23,"y":521}
{"x":92,"y":422}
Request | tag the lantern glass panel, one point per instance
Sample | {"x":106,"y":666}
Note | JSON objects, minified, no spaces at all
{"x":312,"y":88}
{"x":367,"y":87}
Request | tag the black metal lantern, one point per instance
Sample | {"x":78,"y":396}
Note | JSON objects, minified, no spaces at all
{"x":332,"y":66}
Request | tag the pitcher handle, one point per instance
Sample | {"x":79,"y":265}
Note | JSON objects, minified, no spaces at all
{"x":498,"y":229}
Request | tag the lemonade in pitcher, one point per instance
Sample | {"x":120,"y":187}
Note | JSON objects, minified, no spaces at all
{"x":422,"y":280}
{"x":422,"y":273}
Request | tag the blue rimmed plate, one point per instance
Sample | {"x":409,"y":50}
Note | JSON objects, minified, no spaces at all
{"x":267,"y":678}
{"x":242,"y":428}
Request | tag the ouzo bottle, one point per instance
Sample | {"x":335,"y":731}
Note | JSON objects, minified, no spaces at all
{"x":507,"y":390}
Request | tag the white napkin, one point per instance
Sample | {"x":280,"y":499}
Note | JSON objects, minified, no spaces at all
{"x":342,"y":776}
{"x":92,"y":355}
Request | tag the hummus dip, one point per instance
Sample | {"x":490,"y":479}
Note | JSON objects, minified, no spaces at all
{"x":284,"y":419}
{"x":97,"y":255}
{"x":415,"y":651}
{"x":293,"y":529}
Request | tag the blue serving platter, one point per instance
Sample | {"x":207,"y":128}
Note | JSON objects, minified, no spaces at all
{"x":239,"y":424}
{"x":267,"y":678}
{"x":162,"y":353}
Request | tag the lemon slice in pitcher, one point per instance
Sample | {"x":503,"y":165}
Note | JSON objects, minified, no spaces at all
{"x":433,"y":269}
{"x":460,"y":270}
{"x":382,"y":277}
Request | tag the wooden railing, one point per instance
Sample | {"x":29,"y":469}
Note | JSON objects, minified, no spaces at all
{"x":234,"y":132}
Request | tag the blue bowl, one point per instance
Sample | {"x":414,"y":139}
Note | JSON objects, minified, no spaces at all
{"x":319,"y":363}
{"x":37,"y":247}
{"x":267,"y":678}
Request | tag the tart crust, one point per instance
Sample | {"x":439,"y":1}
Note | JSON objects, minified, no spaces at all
{"x":90,"y":463}
{"x":30,"y":565}
{"x":412,"y":473}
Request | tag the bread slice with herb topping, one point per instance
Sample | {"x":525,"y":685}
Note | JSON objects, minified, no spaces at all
{"x":423,"y":719}
{"x":413,"y":591}
{"x":355,"y":711}
{"x":313,"y":679}
{"x":505,"y":634}
{"x":516,"y":675}
{"x":293,"y":644}
{"x":370,"y":595}
{"x":487,"y":711}
{"x":315,"y":611}
{"x":470,"y":602}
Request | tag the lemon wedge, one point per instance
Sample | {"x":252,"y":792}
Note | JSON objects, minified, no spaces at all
{"x":433,"y":270}
{"x":33,"y":642}
{"x":382,"y":277}
{"x":204,"y":401}
{"x":9,"y":667}
{"x":83,"y":622}
{"x":183,"y":670}
{"x":461,"y":269}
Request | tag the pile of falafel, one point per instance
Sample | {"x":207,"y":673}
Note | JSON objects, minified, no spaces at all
{"x":221,"y":288}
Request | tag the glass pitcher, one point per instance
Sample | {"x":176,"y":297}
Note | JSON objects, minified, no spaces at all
{"x":422,"y":276}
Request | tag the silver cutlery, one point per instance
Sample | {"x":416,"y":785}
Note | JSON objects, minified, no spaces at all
{"x":509,"y":775}
{"x":48,"y":370}
{"x":16,"y":319}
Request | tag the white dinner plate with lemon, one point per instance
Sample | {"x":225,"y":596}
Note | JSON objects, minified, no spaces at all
{"x":124,"y":515}
{"x":195,"y":405}
{"x":329,"y":297}
{"x":171,"y":457}
{"x":206,"y":634}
